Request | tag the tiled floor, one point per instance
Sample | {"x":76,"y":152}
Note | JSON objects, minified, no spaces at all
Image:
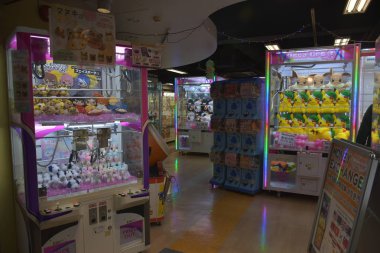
{"x":199,"y":219}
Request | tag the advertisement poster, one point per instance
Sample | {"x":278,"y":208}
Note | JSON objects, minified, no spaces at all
{"x":340,"y":203}
{"x":132,"y":232}
{"x":20,"y":75}
{"x":65,"y":247}
{"x":82,"y":37}
{"x":144,"y":56}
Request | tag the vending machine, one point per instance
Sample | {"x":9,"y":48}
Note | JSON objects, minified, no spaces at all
{"x":312,"y":97}
{"x":193,"y":114}
{"x":79,"y":150}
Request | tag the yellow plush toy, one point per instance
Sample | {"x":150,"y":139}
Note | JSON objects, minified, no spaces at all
{"x":315,"y":101}
{"x":341,"y":133}
{"x":328,"y":105}
{"x":326,"y":120}
{"x":341,"y":121}
{"x":298,"y":106}
{"x":298,"y":123}
{"x":286,"y":101}
{"x":342,"y":101}
{"x":284,"y":124}
{"x":325,"y":133}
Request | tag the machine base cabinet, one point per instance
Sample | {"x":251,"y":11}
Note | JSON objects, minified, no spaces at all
{"x":297,"y":172}
{"x":103,"y":225}
{"x":199,"y":141}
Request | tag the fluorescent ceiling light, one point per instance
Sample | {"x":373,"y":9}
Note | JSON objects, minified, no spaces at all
{"x":177,"y":71}
{"x":341,"y":42}
{"x":272,"y":47}
{"x":356,"y":6}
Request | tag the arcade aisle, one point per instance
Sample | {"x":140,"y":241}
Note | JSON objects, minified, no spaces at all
{"x":200,"y":219}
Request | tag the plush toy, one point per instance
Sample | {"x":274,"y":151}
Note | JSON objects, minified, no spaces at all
{"x":286,"y":101}
{"x":341,"y":133}
{"x":311,"y":120}
{"x":339,"y":81}
{"x":63,"y":91}
{"x":298,"y":123}
{"x":198,"y":106}
{"x":116,"y":105}
{"x":315,"y":101}
{"x":284,"y":122}
{"x":53,"y":168}
{"x":326,"y":120}
{"x":342,"y":101}
{"x":100,"y":99}
{"x":341,"y":121}
{"x":318,"y":81}
{"x":67,"y":80}
{"x":324,"y":133}
{"x":301,"y":82}
{"x":210,"y":107}
{"x":329,"y":99}
{"x":90,"y":107}
{"x":79,"y":105}
{"x":81,"y":84}
{"x":50,"y":80}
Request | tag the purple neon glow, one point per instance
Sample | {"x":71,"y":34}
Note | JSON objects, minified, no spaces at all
{"x":42,"y":131}
{"x":13,"y":43}
{"x":48,"y":55}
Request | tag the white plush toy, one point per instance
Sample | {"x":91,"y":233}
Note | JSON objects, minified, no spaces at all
{"x":53,"y":168}
{"x":46,"y":179}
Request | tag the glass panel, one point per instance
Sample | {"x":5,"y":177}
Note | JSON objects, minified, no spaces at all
{"x":79,"y":159}
{"x":168,"y":106}
{"x":311,"y":104}
{"x":154,"y":103}
{"x":195,"y":106}
{"x":87,"y":123}
{"x":18,"y":163}
{"x":67,"y":93}
{"x":366,"y":84}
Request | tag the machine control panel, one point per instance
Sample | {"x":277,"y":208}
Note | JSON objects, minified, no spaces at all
{"x":102,"y":211}
{"x":93,"y":214}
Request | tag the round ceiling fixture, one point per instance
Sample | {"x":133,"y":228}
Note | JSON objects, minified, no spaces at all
{"x":104,"y":6}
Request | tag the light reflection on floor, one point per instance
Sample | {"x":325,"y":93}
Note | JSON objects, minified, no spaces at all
{"x":200,"y":219}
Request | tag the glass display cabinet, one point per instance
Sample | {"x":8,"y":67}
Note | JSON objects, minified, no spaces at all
{"x":312,"y":97}
{"x":79,"y":150}
{"x":367,"y":65}
{"x":168,"y":110}
{"x":193,"y":114}
{"x":155,"y":103}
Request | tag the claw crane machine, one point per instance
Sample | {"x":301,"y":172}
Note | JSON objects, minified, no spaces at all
{"x":367,"y":65}
{"x":79,"y":147}
{"x":193,"y":114}
{"x":312,"y":97}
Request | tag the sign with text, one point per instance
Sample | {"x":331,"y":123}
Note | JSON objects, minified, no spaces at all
{"x":82,"y":37}
{"x":341,"y":199}
{"x":320,"y":54}
{"x":146,"y":56}
{"x":20,"y":79}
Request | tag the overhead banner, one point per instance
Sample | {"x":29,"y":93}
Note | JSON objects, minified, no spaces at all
{"x":81,"y":37}
{"x":342,"y":197}
{"x":146,"y":56}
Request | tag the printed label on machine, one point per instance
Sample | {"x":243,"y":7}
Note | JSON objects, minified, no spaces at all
{"x":65,"y":247}
{"x":132,"y":232}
